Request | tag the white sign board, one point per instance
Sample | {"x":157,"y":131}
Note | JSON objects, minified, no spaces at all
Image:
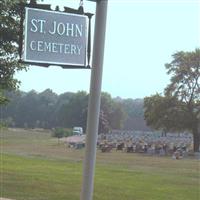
{"x":56,"y":38}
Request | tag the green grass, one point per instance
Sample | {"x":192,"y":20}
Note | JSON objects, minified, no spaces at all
{"x":35,"y":167}
{"x":28,"y":178}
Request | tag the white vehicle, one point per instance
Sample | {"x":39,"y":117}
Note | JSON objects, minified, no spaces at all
{"x":77,"y":131}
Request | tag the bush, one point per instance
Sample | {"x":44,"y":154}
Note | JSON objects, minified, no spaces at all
{"x":58,"y":132}
{"x":68,"y":132}
{"x":3,"y":125}
{"x":61,"y":132}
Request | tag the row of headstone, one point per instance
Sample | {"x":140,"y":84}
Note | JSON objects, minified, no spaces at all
{"x":149,"y":142}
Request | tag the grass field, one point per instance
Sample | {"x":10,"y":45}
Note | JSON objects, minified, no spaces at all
{"x":34,"y":166}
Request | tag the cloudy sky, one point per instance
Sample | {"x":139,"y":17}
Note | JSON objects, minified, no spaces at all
{"x":141,"y":36}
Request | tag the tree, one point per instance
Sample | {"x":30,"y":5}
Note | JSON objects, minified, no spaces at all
{"x":105,"y":113}
{"x":46,"y":106}
{"x":58,"y":133}
{"x":27,"y":110}
{"x":134,"y":119}
{"x":9,"y":41}
{"x":164,"y":113}
{"x":74,"y":112}
{"x":117,"y":115}
{"x":179,"y":108}
{"x":104,"y":126}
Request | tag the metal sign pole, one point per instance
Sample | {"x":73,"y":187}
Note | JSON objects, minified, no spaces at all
{"x":94,"y":101}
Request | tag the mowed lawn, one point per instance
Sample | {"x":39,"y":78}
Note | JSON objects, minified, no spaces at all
{"x":34,"y":166}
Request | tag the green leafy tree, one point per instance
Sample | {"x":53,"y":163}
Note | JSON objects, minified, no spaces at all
{"x":58,"y":133}
{"x":105,"y":113}
{"x":164,"y":113}
{"x":179,"y":108}
{"x":75,"y":110}
{"x":117,"y":115}
{"x":134,"y":118}
{"x":9,"y":40}
{"x":46,"y":105}
{"x":104,"y":125}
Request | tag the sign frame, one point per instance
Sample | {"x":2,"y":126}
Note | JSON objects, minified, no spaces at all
{"x":67,"y":11}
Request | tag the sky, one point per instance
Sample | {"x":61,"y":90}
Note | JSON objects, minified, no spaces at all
{"x":141,"y":37}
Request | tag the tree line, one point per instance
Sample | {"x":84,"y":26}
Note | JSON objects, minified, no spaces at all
{"x":49,"y":110}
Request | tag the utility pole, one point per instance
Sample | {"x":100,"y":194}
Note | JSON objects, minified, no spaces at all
{"x":94,"y":100}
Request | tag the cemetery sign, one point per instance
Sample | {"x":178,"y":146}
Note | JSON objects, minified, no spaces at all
{"x":54,"y":38}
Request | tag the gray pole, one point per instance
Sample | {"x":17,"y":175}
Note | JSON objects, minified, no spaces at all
{"x":94,"y":101}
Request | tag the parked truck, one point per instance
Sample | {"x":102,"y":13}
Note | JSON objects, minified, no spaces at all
{"x":77,"y":131}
